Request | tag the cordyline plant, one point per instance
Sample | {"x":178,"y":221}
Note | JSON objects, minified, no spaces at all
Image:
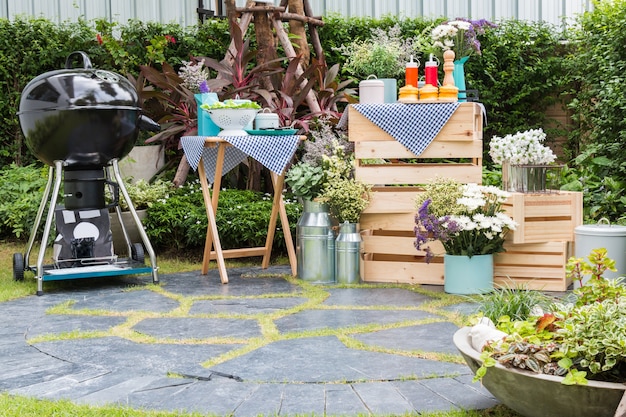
{"x":580,"y":340}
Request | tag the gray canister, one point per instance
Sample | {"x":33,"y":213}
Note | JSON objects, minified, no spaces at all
{"x":348,"y":253}
{"x":313,"y":245}
{"x":602,"y":235}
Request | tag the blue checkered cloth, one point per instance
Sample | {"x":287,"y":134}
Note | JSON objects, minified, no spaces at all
{"x":273,"y":152}
{"x":413,"y":125}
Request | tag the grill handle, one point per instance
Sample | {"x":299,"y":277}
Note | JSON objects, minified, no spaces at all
{"x":83,"y":55}
{"x":147,"y":124}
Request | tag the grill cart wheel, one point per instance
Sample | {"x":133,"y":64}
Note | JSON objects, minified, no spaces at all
{"x":18,"y":267}
{"x":137,"y":253}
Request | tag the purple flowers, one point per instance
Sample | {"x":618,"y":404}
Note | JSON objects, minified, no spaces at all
{"x":466,"y":219}
{"x":460,"y":36}
{"x":204,"y":87}
{"x":429,"y":228}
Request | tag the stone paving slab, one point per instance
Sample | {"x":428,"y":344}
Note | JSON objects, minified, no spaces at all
{"x":198,"y":328}
{"x":326,"y":359}
{"x":432,"y":337}
{"x":304,"y":375}
{"x":55,"y":324}
{"x":387,"y":297}
{"x":121,"y":354}
{"x":121,"y":302}
{"x":247,"y":306}
{"x":324,"y":319}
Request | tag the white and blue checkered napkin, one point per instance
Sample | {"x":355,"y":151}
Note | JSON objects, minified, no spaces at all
{"x":273,"y":152}
{"x":413,"y":125}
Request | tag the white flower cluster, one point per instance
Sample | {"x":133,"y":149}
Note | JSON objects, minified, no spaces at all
{"x":482,"y":211}
{"x":522,"y":148}
{"x":193,"y":75}
{"x":444,"y":35}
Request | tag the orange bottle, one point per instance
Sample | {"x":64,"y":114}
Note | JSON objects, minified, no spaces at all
{"x":411,"y":73}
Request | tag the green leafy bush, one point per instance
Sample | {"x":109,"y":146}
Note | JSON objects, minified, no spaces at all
{"x":598,"y":100}
{"x":180,"y":221}
{"x":21,"y":191}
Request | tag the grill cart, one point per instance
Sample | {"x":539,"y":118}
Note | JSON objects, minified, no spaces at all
{"x":80,"y":122}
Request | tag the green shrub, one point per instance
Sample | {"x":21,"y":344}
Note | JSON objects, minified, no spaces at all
{"x":598,"y":101}
{"x":242,"y":219}
{"x":21,"y":191}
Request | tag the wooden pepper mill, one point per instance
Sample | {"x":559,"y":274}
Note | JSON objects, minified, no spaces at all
{"x":448,"y":91}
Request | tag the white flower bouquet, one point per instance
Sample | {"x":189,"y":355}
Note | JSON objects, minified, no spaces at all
{"x":522,"y":148}
{"x":474,"y":224}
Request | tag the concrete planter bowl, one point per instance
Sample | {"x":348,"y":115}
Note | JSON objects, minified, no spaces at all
{"x":535,"y":395}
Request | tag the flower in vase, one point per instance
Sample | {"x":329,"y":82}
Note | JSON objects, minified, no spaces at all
{"x":474,"y":224}
{"x":460,"y":36}
{"x":522,"y":148}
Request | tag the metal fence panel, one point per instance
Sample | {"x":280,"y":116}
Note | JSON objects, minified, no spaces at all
{"x":184,"y":12}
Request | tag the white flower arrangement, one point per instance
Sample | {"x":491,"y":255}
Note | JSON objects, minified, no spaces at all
{"x":460,"y":36}
{"x":475,"y":224}
{"x":522,"y":148}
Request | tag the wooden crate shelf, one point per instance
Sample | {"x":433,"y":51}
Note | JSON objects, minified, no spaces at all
{"x":456,"y":151}
{"x":392,"y":257}
{"x":544,"y":217}
{"x":536,"y":253}
{"x":537,"y":266}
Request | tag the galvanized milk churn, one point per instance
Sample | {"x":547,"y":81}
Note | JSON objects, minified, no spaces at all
{"x":347,"y":249}
{"x":315,"y":244}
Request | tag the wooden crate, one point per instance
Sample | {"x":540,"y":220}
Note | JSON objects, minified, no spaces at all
{"x":538,"y":266}
{"x":388,"y":251}
{"x":392,"y":257}
{"x":389,"y":256}
{"x":456,"y":152}
{"x":544,"y":217}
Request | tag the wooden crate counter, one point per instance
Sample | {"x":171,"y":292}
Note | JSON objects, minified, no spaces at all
{"x":536,"y":252}
{"x":395,"y":171}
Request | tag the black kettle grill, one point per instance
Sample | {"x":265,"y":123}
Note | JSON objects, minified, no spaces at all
{"x":80,"y":122}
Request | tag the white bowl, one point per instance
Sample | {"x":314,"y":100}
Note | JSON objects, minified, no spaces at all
{"x":232,"y":121}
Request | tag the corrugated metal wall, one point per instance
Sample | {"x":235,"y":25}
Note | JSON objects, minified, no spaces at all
{"x":184,"y":12}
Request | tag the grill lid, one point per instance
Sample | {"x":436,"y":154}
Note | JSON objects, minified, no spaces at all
{"x":78,"y":88}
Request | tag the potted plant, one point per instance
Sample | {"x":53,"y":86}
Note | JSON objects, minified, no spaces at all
{"x":468,"y":220}
{"x":384,"y":55}
{"x":567,"y":360}
{"x":524,"y":159}
{"x":142,"y":195}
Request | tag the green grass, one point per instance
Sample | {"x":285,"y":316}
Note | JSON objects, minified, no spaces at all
{"x":22,"y":406}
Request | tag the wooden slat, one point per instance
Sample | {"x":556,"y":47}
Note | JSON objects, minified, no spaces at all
{"x":388,"y":221}
{"x":392,"y":202}
{"x":418,"y":173}
{"x":402,"y":272}
{"x":437,"y":149}
{"x":464,"y":124}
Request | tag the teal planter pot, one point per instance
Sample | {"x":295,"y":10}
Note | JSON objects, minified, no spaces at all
{"x":464,"y":275}
{"x":206,"y":127}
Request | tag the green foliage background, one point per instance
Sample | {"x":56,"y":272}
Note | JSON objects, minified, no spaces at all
{"x":523,"y":69}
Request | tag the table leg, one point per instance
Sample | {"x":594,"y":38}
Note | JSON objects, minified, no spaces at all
{"x":212,"y":236}
{"x":278,"y":209}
